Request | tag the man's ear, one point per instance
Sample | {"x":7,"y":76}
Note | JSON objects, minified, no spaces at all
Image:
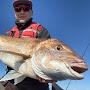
{"x":15,"y":15}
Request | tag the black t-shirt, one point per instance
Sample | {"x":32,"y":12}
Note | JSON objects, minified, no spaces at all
{"x":32,"y":84}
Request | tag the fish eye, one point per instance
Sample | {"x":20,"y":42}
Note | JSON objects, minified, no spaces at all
{"x":59,"y":47}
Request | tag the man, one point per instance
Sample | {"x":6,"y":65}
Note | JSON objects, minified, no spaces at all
{"x":25,"y":27}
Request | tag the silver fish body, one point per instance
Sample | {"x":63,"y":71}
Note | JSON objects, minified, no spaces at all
{"x":49,"y":59}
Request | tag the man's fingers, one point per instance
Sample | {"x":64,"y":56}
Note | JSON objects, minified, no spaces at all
{"x":46,"y":81}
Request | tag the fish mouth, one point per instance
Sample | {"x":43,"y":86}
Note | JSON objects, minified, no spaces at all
{"x":79,"y":68}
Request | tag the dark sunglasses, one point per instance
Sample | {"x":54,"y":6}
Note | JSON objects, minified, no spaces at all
{"x":25,"y":9}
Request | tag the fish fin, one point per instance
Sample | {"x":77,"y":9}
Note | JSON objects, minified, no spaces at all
{"x":11,"y":75}
{"x":38,"y":71}
{"x":19,"y":79}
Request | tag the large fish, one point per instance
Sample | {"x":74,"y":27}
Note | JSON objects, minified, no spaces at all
{"x":48,"y":59}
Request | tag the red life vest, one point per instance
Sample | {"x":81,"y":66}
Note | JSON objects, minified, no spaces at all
{"x":30,"y":31}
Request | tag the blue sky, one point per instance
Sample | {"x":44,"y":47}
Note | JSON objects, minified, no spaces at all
{"x":68,"y":20}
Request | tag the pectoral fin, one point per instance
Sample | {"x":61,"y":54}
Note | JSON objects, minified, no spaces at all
{"x":11,"y":75}
{"x":19,"y":79}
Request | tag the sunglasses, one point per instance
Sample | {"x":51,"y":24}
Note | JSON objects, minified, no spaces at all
{"x":19,"y":9}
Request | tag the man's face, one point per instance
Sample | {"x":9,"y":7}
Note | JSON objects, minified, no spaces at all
{"x":22,"y":13}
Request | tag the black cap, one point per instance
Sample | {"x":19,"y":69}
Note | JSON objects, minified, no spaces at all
{"x":22,"y":2}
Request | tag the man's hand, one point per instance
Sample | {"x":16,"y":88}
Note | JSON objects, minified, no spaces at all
{"x":46,"y":81}
{"x":8,"y":85}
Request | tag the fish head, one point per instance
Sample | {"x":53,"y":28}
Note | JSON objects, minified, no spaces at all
{"x":58,"y":61}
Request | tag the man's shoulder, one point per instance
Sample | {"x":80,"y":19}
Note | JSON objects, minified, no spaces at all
{"x":13,"y":28}
{"x":42,"y":31}
{"x":36,"y":26}
{"x":35,"y":23}
{"x":8,"y":32}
